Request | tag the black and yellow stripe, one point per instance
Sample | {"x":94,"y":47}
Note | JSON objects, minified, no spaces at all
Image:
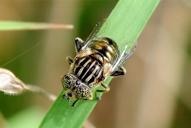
{"x":88,"y":69}
{"x":107,"y":48}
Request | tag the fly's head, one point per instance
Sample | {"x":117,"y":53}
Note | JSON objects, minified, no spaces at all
{"x":75,"y":89}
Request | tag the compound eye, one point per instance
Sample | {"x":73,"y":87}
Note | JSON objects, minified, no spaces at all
{"x":67,"y":81}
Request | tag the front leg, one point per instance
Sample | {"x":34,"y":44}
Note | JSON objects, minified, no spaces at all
{"x":106,"y":88}
{"x":74,"y":103}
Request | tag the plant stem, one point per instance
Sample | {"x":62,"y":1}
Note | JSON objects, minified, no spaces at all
{"x":19,"y":25}
{"x":39,"y":90}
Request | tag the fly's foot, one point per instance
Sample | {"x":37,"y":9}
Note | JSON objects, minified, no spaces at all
{"x":106,"y":88}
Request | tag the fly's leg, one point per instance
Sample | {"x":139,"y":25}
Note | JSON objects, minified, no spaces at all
{"x":66,"y":98}
{"x":79,"y":43}
{"x":98,"y":97}
{"x":106,"y":89}
{"x":69,"y":60}
{"x":119,"y":71}
{"x":74,"y":103}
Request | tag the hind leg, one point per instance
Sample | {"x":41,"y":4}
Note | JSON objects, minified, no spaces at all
{"x":120,"y":71}
{"x":79,"y":43}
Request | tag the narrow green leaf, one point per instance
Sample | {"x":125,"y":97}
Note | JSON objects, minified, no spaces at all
{"x":16,"y":25}
{"x":124,"y":25}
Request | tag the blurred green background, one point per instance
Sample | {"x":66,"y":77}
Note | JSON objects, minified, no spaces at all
{"x":155,"y":93}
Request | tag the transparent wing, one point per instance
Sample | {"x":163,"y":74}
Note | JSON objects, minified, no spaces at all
{"x":124,"y":56}
{"x":93,"y":34}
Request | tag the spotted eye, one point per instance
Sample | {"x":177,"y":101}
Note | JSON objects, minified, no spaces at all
{"x":67,"y":81}
{"x":85,"y":92}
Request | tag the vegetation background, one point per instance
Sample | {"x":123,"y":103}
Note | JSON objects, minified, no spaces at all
{"x":155,"y":93}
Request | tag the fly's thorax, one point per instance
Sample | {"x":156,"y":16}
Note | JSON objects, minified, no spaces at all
{"x":106,"y":47}
{"x":75,"y":89}
{"x":88,"y":69}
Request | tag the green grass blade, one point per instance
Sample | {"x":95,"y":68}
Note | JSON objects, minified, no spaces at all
{"x":124,"y":25}
{"x":17,"y":25}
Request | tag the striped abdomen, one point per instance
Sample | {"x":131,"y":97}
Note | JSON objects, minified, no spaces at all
{"x":88,"y":69}
{"x":107,"y":48}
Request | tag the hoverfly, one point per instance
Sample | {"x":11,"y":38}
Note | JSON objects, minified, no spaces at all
{"x":95,"y":60}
